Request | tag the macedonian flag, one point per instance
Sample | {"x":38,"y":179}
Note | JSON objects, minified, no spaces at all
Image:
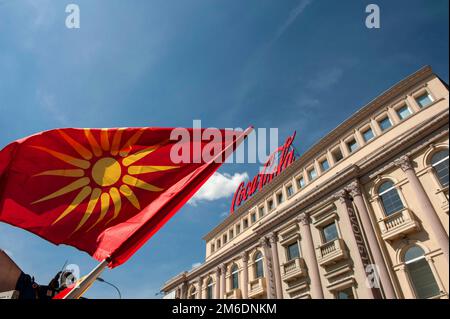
{"x":106,"y":191}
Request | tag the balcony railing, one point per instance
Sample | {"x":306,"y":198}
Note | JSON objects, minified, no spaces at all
{"x":293,"y":269}
{"x":233,"y":294}
{"x":257,"y":287}
{"x":398,"y":224}
{"x":331,"y":252}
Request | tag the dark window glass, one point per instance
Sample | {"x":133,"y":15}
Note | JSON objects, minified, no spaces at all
{"x":424,"y":100}
{"x":324,"y":165}
{"x":209,"y":289}
{"x":440,"y":164}
{"x":259,"y":270}
{"x":345,"y":294}
{"x":403,"y":112}
{"x":352,"y":145}
{"x":337,"y":155}
{"x":290,"y":190}
{"x":389,"y":198}
{"x":234,"y":277}
{"x":330,"y":232}
{"x":292,"y":251}
{"x":368,"y":135}
{"x":385,"y":123}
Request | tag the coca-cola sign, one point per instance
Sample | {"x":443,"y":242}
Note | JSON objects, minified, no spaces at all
{"x":281,"y":158}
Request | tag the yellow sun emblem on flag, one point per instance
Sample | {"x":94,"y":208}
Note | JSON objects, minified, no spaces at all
{"x":111,"y":171}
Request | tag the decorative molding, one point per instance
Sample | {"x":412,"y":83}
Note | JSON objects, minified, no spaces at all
{"x":304,"y":219}
{"x":244,"y":256}
{"x":354,"y":189}
{"x":404,"y":163}
{"x":273,"y":238}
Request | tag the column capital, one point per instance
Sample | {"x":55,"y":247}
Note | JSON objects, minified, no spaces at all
{"x":341,"y":195}
{"x":404,"y":163}
{"x":263,"y":242}
{"x":244,"y":256}
{"x":354,"y":189}
{"x":222,"y":268}
{"x":272,"y":237}
{"x":304,"y":219}
{"x":199,"y":280}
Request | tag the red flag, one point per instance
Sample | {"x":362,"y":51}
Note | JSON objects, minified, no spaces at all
{"x":105,"y":191}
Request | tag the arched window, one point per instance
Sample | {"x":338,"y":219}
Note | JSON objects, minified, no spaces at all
{"x":192,"y":293}
{"x":259,"y":270}
{"x":439,"y":161}
{"x":389,"y":198}
{"x":234,"y":277}
{"x":420,"y":273}
{"x":209,"y":289}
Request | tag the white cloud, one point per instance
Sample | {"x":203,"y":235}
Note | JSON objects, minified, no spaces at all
{"x":292,"y":17}
{"x":195,"y":265}
{"x":218,"y":186}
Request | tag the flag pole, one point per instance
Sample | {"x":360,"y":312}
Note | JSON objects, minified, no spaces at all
{"x":87,"y":281}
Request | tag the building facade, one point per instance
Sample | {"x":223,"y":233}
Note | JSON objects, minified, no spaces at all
{"x":362,"y":214}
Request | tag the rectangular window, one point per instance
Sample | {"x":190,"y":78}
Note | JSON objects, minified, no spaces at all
{"x":345,"y":294}
{"x":218,"y":243}
{"x":238,"y":229}
{"x":324,"y":165}
{"x":253,"y":217}
{"x":245,"y":223}
{"x":292,"y":251}
{"x":290,"y":190}
{"x":280,"y":198}
{"x":312,"y":174}
{"x":385,"y":123}
{"x":270,"y":204}
{"x":225,"y":239}
{"x":367,"y":134}
{"x":424,"y":100}
{"x":337,"y":155}
{"x":212,"y":248}
{"x":352,"y":145}
{"x":301,"y":182}
{"x":261,"y":211}
{"x":330,"y":232}
{"x":403,"y":112}
{"x":231,"y":234}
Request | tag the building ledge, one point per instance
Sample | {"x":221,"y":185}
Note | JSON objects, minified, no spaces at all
{"x":257,"y":288}
{"x":398,"y":225}
{"x":331,"y":252}
{"x":293,"y":269}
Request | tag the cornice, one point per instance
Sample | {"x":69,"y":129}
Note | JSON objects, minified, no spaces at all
{"x":385,"y":98}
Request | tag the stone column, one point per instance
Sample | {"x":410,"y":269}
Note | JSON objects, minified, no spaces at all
{"x":361,"y":256}
{"x":184,"y":290}
{"x":223,"y":270}
{"x":355,"y":192}
{"x":425,"y":205}
{"x":217,"y":287}
{"x":244,"y":275}
{"x":309,"y":255}
{"x":199,"y":282}
{"x":268,"y":271}
{"x":276,"y":265}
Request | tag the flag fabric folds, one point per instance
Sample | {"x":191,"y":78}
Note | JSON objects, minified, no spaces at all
{"x":105,"y":191}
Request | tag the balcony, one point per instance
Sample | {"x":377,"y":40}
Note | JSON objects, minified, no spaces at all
{"x":293,"y":269}
{"x":233,"y":294}
{"x":331,"y":252}
{"x":257,"y":288}
{"x":398,"y":224}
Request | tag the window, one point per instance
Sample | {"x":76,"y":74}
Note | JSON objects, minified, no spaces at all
{"x":420,"y":273}
{"x":192,"y":293}
{"x":301,"y":182}
{"x":245,"y":222}
{"x":270,"y":204}
{"x":225,"y":239}
{"x":259,"y":269}
{"x":234,"y":277}
{"x":292,"y":251}
{"x":403,"y":112}
{"x":238,"y":229}
{"x":253,"y":217}
{"x":424,"y":100}
{"x":439,"y":161}
{"x":330,"y":232}
{"x":213,"y":248}
{"x":312,"y":174}
{"x":231,"y":234}
{"x":209,"y":289}
{"x":367,"y":134}
{"x":280,"y":197}
{"x":389,"y":198}
{"x":385,"y":123}
{"x":346,"y":293}
{"x":290,"y":190}
{"x":352,"y":145}
{"x":337,"y":155}
{"x":261,"y":211}
{"x":324,"y":165}
{"x":218,"y":243}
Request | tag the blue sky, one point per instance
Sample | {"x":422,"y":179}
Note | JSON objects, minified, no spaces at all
{"x":302,"y":65}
